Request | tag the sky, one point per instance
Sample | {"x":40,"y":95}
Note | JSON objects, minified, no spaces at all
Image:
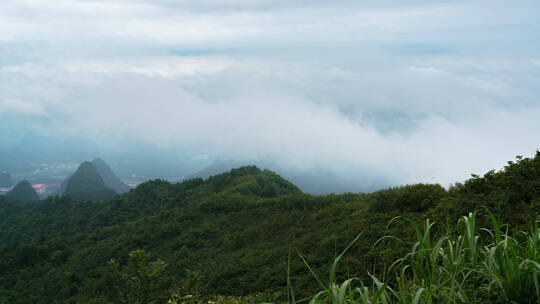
{"x":404,"y":91}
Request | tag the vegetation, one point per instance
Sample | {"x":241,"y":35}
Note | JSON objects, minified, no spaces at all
{"x":233,"y":236}
{"x":473,"y":266}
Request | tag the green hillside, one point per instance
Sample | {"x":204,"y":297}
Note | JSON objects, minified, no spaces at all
{"x":234,"y":233}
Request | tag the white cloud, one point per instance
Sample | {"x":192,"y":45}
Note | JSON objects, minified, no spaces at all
{"x":420,"y":90}
{"x":195,"y":24}
{"x":21,"y":107}
{"x":167,"y":67}
{"x":268,"y":115}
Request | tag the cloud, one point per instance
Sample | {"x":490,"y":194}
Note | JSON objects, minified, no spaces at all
{"x":19,"y":107}
{"x":270,"y":116}
{"x":165,"y":67}
{"x":421,"y":91}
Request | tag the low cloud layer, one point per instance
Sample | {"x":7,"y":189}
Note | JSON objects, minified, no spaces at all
{"x":424,"y":91}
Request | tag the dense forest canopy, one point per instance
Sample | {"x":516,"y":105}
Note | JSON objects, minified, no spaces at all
{"x":232,"y":234}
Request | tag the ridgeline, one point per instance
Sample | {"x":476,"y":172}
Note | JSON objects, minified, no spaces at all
{"x":233,"y":234}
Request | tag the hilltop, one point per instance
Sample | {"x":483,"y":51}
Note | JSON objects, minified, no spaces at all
{"x":94,"y":180}
{"x":312,"y":181}
{"x":23,"y":192}
{"x":87,"y":184}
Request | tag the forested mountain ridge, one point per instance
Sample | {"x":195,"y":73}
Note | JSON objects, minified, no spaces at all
{"x":232,"y":234}
{"x":63,"y":216}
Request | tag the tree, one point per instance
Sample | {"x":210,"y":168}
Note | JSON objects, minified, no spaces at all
{"x":137,"y":280}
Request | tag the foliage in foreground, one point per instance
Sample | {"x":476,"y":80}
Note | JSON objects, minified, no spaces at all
{"x":473,"y":266}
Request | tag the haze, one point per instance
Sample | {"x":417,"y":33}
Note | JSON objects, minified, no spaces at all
{"x":377,"y":93}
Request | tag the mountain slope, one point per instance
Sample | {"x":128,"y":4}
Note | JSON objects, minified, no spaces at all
{"x":109,"y":178}
{"x":23,"y":192}
{"x":87,"y":184}
{"x":234,"y":233}
{"x":64,"y":216}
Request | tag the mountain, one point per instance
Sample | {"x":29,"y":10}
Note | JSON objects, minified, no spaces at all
{"x":68,"y":216}
{"x":309,"y":180}
{"x":108,"y":176}
{"x":86,"y":184}
{"x":5,"y":180}
{"x":237,"y":234}
{"x":23,"y":192}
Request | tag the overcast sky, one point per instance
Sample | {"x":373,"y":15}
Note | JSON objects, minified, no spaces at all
{"x":413,"y":90}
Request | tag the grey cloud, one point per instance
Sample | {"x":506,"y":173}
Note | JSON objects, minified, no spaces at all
{"x":270,"y":116}
{"x":357,"y":90}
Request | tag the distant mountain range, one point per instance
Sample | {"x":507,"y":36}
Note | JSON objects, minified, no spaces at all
{"x":23,"y":192}
{"x":93,"y":181}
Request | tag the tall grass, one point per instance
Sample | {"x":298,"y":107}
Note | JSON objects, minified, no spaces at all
{"x":473,"y":266}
